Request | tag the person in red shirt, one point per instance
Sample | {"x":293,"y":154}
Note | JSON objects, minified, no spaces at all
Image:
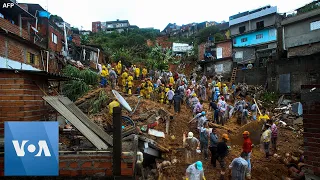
{"x":247,"y":148}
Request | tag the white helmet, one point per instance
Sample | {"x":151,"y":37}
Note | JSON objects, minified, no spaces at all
{"x":190,"y":135}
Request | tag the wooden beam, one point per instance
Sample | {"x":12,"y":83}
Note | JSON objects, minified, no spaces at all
{"x":85,"y":120}
{"x":90,"y":135}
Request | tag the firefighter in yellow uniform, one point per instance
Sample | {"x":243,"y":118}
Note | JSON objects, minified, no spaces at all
{"x":119,"y":68}
{"x":161,"y":92}
{"x":113,"y":104}
{"x":171,"y":80}
{"x":142,"y":88}
{"x":149,"y":89}
{"x":137,"y":73}
{"x":165,"y":92}
{"x":104,"y":76}
{"x":124,"y":77}
{"x":219,"y":85}
{"x":144,"y":73}
{"x":130,"y":84}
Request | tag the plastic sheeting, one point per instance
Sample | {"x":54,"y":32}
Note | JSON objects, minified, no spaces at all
{"x":10,"y":64}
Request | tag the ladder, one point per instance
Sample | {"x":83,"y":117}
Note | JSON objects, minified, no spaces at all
{"x":234,"y":73}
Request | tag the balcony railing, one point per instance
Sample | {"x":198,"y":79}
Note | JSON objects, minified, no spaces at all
{"x":12,"y":28}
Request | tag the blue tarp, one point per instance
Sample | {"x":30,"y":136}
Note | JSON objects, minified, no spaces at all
{"x":44,"y":14}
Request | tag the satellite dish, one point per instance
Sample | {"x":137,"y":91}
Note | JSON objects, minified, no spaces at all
{"x":35,"y":30}
{"x":121,"y":100}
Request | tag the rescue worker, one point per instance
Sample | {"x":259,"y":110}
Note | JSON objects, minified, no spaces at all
{"x":239,"y":167}
{"x":195,"y":172}
{"x":113,"y":78}
{"x":177,"y":99}
{"x":219,"y":86}
{"x":144,"y":73}
{"x":119,"y":68}
{"x":191,"y":144}
{"x":170,"y":95}
{"x":162,"y":93}
{"x":247,"y":149}
{"x":124,"y":77}
{"x":222,"y":152}
{"x":149,"y":88}
{"x":130,"y":84}
{"x":137,"y":73}
{"x":104,"y":75}
{"x":113,"y":104}
{"x":142,"y":88}
{"x":204,"y":139}
{"x":166,"y":91}
{"x":171,"y":80}
{"x":225,"y":90}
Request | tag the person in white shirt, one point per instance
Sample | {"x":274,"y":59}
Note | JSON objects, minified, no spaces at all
{"x":170,"y":95}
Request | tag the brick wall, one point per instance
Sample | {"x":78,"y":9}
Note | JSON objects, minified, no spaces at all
{"x":76,"y":39}
{"x":55,"y":47}
{"x":311,"y":124}
{"x":5,"y":24}
{"x":226,"y":48}
{"x":15,"y":50}
{"x":88,"y":165}
{"x":95,"y":26}
{"x":20,"y":98}
{"x":201,"y":51}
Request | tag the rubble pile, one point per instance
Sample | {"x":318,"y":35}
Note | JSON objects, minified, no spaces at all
{"x":288,"y":115}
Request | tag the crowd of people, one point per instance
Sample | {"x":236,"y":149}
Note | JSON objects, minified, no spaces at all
{"x":175,"y":89}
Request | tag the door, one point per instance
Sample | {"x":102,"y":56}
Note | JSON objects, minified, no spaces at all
{"x":284,"y":83}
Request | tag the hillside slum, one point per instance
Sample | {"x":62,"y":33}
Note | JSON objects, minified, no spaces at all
{"x":162,"y":132}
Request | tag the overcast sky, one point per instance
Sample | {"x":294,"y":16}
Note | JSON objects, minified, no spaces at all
{"x":155,"y":13}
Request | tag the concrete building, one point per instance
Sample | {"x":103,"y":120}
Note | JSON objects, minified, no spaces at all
{"x":255,"y":35}
{"x":301,"y":65}
{"x":111,"y":26}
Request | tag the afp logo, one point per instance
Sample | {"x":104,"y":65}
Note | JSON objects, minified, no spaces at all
{"x":31,"y":149}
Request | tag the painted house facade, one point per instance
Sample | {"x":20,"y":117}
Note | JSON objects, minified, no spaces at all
{"x":255,"y":31}
{"x":111,"y":26}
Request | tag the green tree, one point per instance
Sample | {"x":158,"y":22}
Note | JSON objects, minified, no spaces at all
{"x":203,"y":34}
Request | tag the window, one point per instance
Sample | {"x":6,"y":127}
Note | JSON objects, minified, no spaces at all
{"x":272,"y":32}
{"x":259,"y":36}
{"x":32,"y":58}
{"x":239,"y":55}
{"x":219,"y":53}
{"x":242,"y":29}
{"x":315,"y":25}
{"x":54,"y":38}
{"x":260,"y":25}
{"x":244,"y":39}
{"x":234,"y":41}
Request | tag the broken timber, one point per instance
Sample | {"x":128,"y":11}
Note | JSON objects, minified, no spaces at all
{"x":220,"y":127}
{"x":90,"y":95}
{"x":154,"y":143}
{"x":85,"y":120}
{"x":86,"y":131}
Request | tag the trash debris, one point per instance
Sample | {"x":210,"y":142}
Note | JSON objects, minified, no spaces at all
{"x":156,"y":133}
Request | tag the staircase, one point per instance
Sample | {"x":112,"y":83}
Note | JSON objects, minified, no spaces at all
{"x":234,"y":73}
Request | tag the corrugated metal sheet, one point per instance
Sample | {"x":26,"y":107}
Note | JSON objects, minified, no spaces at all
{"x":90,"y":135}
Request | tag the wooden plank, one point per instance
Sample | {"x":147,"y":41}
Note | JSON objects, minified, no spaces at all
{"x":85,"y":120}
{"x":91,"y":136}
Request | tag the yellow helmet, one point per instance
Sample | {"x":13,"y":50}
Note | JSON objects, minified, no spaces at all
{"x":112,"y":68}
{"x":194,"y":95}
{"x":224,"y":84}
{"x":103,"y":67}
{"x":119,"y":61}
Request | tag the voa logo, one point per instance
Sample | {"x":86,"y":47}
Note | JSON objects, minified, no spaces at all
{"x":42,"y":147}
{"x":31,"y":148}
